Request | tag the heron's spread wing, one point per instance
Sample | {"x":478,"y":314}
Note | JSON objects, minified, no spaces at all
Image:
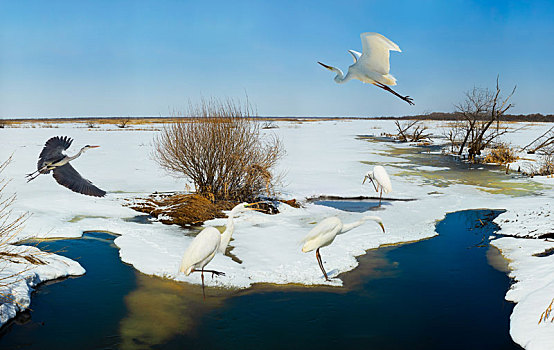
{"x":52,"y":150}
{"x":375,"y":54}
{"x":67,"y":176}
{"x":355,"y":55}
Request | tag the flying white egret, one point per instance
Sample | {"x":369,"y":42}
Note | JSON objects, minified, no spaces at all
{"x":372,"y":65}
{"x":325,"y":232}
{"x":207,"y":243}
{"x":380,"y":180}
{"x":52,"y":159}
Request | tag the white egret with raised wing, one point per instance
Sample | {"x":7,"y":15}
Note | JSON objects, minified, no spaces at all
{"x":372,"y":65}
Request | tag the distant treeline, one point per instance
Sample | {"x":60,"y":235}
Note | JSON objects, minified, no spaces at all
{"x":536,"y":117}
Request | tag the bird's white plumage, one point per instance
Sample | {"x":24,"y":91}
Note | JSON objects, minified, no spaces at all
{"x":206,"y":244}
{"x":382,"y":179}
{"x":375,"y":52}
{"x":355,"y":55}
{"x":201,"y":250}
{"x":322,"y":234}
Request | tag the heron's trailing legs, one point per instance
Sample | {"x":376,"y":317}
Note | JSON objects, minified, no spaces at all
{"x":318,"y":257}
{"x":384,"y":87}
{"x":214,"y":272}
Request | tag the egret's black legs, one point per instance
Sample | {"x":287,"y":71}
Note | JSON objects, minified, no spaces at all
{"x":405,"y":98}
{"x":380,"y":195}
{"x":318,"y":257}
{"x":213,"y":272}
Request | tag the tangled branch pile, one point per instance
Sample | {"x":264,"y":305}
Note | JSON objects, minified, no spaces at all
{"x":219,"y":147}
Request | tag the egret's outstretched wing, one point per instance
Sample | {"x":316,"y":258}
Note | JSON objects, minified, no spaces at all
{"x":52,"y":151}
{"x":67,"y":176}
{"x":355,"y":55}
{"x":375,"y":52}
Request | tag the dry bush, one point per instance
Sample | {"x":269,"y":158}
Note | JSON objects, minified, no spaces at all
{"x":501,"y":154}
{"x":3,"y":123}
{"x":218,"y":147}
{"x":9,"y":253}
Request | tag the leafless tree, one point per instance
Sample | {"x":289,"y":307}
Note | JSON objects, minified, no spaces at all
{"x":479,"y":115}
{"x":219,"y":147}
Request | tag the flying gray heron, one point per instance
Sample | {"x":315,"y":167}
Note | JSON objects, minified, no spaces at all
{"x":52,"y":159}
{"x":372,"y":65}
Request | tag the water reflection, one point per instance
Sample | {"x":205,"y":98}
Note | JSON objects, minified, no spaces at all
{"x":159,"y":309}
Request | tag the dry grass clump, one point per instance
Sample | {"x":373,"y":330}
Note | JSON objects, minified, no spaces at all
{"x":219,"y":147}
{"x":181,"y":209}
{"x":547,"y":314}
{"x":501,"y":154}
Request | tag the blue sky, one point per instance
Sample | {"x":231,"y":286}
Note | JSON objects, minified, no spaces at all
{"x":79,"y":58}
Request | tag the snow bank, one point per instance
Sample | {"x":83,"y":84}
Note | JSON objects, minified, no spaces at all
{"x":18,"y":279}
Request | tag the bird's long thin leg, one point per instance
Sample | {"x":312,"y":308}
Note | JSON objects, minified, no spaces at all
{"x":380,"y":196}
{"x":202,"y":275}
{"x":384,"y":87}
{"x":318,"y":257}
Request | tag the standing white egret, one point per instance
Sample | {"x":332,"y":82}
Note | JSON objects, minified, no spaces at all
{"x":380,"y":180}
{"x":372,"y":65}
{"x":207,"y":243}
{"x":325,"y":232}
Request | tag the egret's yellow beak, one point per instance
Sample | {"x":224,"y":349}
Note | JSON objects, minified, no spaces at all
{"x":382,"y":226}
{"x":94,"y":146}
{"x":326,"y":66}
{"x":251,"y":204}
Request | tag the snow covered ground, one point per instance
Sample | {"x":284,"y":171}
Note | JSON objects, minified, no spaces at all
{"x":323,"y":158}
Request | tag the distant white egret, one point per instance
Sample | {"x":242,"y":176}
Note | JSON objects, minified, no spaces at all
{"x":325,"y":232}
{"x":207,"y":243}
{"x":372,"y":65}
{"x":380,"y":180}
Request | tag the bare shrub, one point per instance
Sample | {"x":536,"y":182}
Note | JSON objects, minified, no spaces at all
{"x":91,"y":124}
{"x":3,"y":123}
{"x":411,"y":131}
{"x":123,"y":123}
{"x":221,"y":150}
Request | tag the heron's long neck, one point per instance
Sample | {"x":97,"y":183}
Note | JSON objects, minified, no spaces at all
{"x":70,"y":158}
{"x":348,"y":227}
{"x":226,"y":236}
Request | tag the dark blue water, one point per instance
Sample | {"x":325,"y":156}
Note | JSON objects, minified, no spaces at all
{"x":439,"y":293}
{"x":78,"y":312}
